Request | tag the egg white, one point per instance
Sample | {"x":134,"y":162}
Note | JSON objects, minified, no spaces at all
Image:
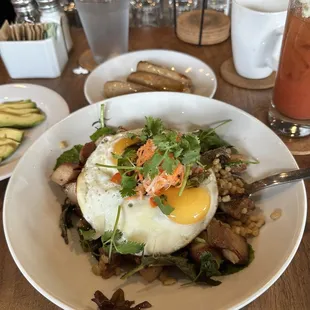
{"x":99,"y":199}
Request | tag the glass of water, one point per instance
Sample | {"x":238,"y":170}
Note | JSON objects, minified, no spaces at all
{"x":106,"y":25}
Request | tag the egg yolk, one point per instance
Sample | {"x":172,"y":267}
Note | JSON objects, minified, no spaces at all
{"x":120,"y":146}
{"x":189,"y":208}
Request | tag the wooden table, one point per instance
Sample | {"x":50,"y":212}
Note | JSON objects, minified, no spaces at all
{"x":291,"y":291}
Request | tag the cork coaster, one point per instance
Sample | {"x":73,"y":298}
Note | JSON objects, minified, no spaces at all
{"x":230,"y":75}
{"x":216,"y":27}
{"x":87,"y":61}
{"x":297,"y":146}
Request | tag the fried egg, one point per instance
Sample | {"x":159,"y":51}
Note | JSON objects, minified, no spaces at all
{"x":99,"y":199}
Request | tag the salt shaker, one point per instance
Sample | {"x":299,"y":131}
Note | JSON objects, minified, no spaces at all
{"x":26,"y":11}
{"x":51,"y":11}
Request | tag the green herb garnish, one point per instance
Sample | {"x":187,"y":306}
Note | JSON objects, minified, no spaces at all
{"x":161,"y":202}
{"x":111,"y":239}
{"x":87,"y":234}
{"x":71,"y":156}
{"x":103,"y":130}
{"x":181,"y":263}
{"x":128,"y":184}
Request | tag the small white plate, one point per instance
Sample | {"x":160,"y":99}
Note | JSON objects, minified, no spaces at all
{"x":118,"y":68}
{"x":63,"y":274}
{"x":52,"y":104}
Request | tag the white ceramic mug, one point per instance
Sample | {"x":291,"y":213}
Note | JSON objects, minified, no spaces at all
{"x":256,"y":32}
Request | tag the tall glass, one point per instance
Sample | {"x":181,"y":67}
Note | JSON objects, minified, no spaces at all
{"x":106,"y":25}
{"x":290,"y":110}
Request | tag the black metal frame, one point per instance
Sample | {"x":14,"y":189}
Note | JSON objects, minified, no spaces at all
{"x":204,"y":7}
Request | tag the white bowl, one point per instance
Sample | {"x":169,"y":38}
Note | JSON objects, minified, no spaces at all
{"x":63,"y":274}
{"x":118,"y":68}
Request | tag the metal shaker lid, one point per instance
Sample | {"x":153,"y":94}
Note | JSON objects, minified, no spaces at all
{"x":48,"y":4}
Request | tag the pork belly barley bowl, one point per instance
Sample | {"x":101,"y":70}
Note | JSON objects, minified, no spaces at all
{"x":157,"y":208}
{"x":153,"y":199}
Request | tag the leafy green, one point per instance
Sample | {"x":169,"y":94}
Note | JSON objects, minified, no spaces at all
{"x":153,"y":127}
{"x":129,"y":247}
{"x":169,"y":164}
{"x":161,"y":202}
{"x":65,"y":221}
{"x":128,"y":157}
{"x":104,"y":131}
{"x":150,"y":168}
{"x":108,"y":235}
{"x":87,"y":234}
{"x":128,"y":184}
{"x":111,"y":240}
{"x":230,"y":268}
{"x":181,"y":263}
{"x":71,"y":156}
{"x":210,"y":140}
{"x":191,"y":149}
{"x":208,"y":266}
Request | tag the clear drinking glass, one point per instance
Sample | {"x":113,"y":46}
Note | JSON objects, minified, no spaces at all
{"x":106,"y":25}
{"x":289,"y":113}
{"x":220,"y":5}
{"x":183,"y":5}
{"x":146,"y":12}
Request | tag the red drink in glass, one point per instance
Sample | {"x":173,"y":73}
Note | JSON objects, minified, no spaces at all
{"x":289,"y":113}
{"x":292,"y":89}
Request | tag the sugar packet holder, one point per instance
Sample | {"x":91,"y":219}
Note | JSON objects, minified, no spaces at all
{"x":33,"y":50}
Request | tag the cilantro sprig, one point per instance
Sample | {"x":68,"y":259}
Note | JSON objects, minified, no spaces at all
{"x":112,"y":240}
{"x":103,"y":130}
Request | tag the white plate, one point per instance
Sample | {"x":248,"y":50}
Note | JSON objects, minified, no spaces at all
{"x":118,"y":68}
{"x":52,"y":104}
{"x":63,"y":274}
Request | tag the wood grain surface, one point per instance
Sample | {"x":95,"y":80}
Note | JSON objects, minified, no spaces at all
{"x":291,"y":291}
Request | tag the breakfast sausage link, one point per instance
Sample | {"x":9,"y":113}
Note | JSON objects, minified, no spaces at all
{"x":164,"y":71}
{"x":119,"y":88}
{"x":157,"y":82}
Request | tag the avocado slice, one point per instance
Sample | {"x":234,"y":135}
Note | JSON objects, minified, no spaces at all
{"x":22,"y":104}
{"x":11,"y":133}
{"x":20,"y":121}
{"x":21,"y":111}
{"x":7,"y":150}
{"x":4,"y":141}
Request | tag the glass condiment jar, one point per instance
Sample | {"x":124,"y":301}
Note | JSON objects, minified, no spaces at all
{"x":26,"y":11}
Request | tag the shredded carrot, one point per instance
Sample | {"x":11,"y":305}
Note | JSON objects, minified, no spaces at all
{"x":116,"y":178}
{"x":163,"y":181}
{"x":145,"y":152}
{"x":153,"y":203}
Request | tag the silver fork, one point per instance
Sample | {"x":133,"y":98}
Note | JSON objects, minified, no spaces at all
{"x":275,"y":180}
